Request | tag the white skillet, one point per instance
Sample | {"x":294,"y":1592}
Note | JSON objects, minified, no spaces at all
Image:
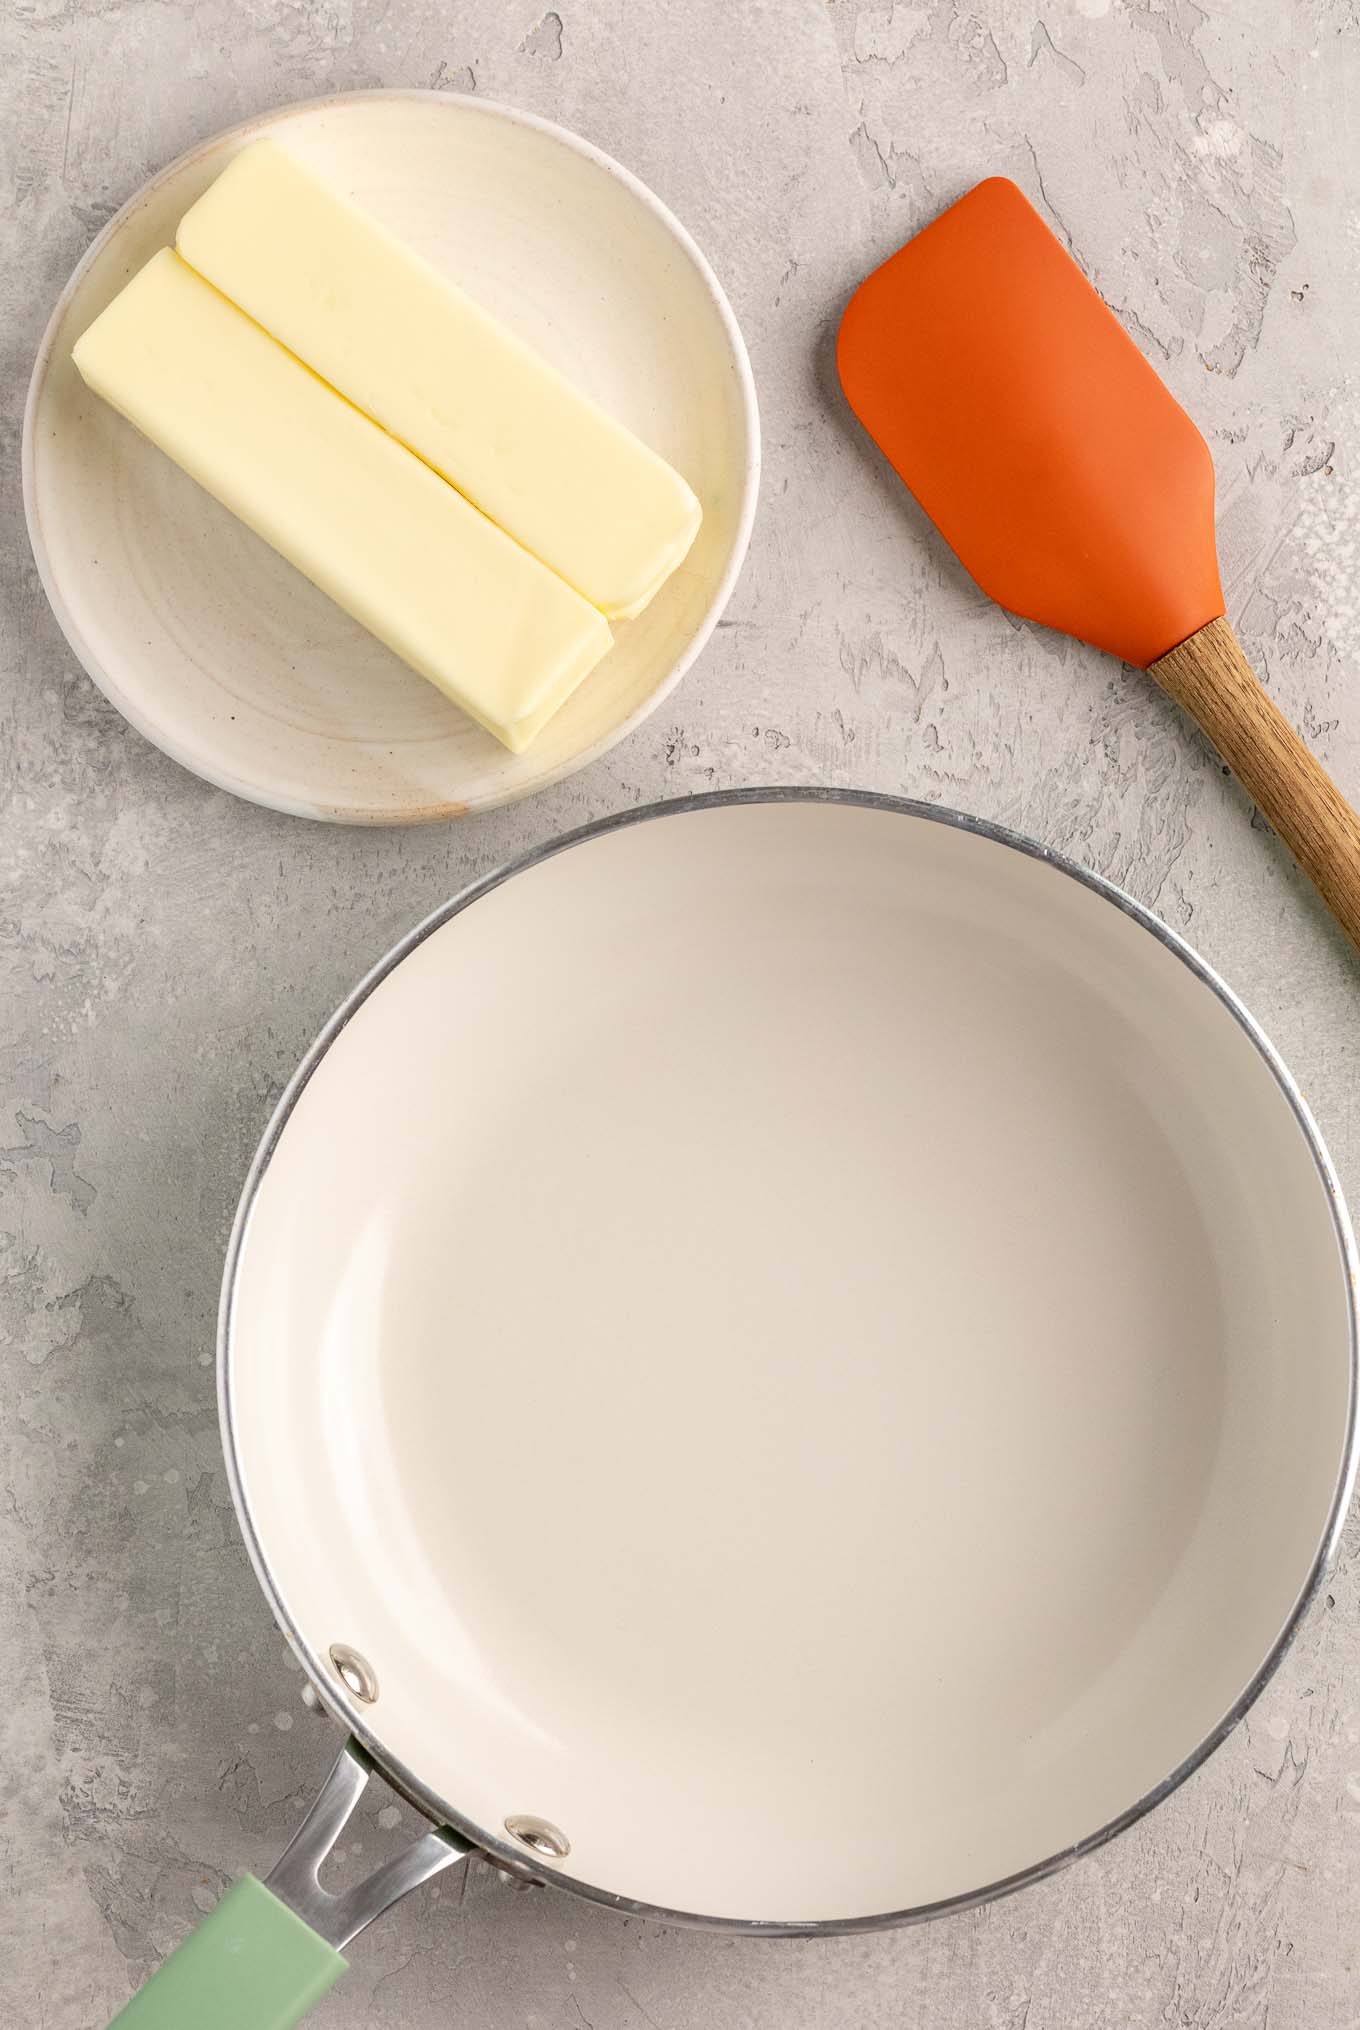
{"x":788,"y":1362}
{"x":225,"y":656}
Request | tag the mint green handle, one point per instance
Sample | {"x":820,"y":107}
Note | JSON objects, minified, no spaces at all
{"x":251,"y":1965}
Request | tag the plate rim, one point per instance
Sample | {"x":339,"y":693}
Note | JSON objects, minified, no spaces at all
{"x":224,"y":778}
{"x":347,"y":1711}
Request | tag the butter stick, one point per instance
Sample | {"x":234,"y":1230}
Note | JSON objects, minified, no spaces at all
{"x":405,"y":345}
{"x":356,"y":513}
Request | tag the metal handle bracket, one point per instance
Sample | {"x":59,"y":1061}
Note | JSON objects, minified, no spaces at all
{"x":295,"y":1880}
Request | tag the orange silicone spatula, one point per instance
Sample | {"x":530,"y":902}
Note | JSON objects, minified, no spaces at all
{"x":1073,"y":487}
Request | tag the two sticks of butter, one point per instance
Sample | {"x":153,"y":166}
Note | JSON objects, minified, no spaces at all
{"x":419,"y":463}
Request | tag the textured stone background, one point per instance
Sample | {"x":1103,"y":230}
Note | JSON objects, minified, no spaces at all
{"x":167,"y":952}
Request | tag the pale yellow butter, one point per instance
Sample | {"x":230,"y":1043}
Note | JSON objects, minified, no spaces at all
{"x":406,"y":346}
{"x":356,"y":513}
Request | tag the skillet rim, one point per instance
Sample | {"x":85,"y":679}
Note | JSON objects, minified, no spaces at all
{"x":349,"y":1714}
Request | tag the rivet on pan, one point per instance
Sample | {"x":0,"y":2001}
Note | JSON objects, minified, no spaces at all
{"x":540,"y":1835}
{"x":355,"y":1672}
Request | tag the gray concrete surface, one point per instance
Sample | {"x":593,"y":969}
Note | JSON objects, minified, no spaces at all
{"x":168,"y":952}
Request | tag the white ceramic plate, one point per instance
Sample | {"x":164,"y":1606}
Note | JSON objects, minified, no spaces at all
{"x":220,"y":652}
{"x":807,"y":1344}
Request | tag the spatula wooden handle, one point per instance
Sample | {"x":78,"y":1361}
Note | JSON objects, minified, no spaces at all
{"x":1211,"y":679}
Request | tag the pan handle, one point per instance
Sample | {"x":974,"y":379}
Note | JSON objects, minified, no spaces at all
{"x":271,"y":1949}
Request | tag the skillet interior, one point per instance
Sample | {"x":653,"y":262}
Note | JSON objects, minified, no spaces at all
{"x":806,"y":1345}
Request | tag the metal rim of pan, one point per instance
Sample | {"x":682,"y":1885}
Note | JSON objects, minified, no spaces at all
{"x":349,"y":1710}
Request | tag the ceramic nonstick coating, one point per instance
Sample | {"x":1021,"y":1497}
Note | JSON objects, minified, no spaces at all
{"x":807,"y":1344}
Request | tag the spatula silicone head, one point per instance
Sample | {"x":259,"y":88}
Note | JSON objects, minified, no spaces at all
{"x":1073,"y":487}
{"x":1035,"y":435}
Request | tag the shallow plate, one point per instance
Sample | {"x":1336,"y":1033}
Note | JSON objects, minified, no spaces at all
{"x":807,"y":1344}
{"x":220,"y":652}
